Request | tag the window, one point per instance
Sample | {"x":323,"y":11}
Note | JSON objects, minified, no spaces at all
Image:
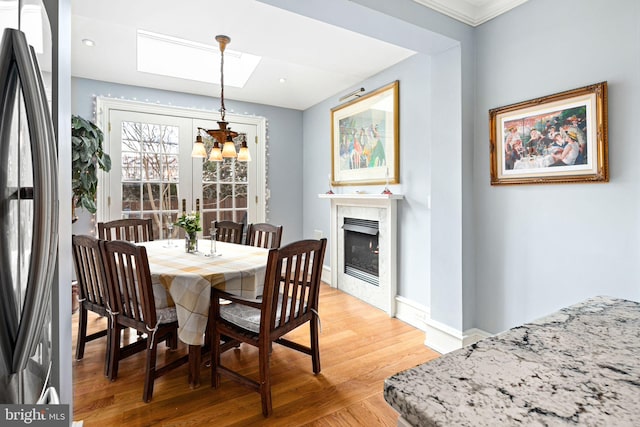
{"x":153,"y":172}
{"x":149,"y":172}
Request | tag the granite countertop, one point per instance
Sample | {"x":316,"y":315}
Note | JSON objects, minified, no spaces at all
{"x":577,"y":366}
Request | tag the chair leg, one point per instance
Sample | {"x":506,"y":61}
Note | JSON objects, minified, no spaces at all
{"x":114,"y":357}
{"x":264,"y":353}
{"x":107,"y":359}
{"x":315,"y":347}
{"x":82,"y":332}
{"x":172,"y":340}
{"x":150,"y":371}
{"x":215,"y":357}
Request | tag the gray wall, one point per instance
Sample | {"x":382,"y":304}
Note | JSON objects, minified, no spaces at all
{"x":541,"y":247}
{"x":441,"y":236}
{"x":515,"y":266}
{"x":415,"y":140}
{"x":284,"y":133}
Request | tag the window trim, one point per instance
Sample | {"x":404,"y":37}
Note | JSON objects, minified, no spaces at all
{"x":105,"y":105}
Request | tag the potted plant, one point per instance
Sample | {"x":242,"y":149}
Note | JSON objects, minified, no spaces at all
{"x":87,"y":155}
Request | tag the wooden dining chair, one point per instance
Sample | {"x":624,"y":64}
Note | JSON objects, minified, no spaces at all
{"x":130,"y":229}
{"x":264,"y":235}
{"x":228,"y":231}
{"x":289,"y":300}
{"x":129,"y":281}
{"x":93,"y":292}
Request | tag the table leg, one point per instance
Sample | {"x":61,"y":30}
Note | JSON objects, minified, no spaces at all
{"x":195,"y":352}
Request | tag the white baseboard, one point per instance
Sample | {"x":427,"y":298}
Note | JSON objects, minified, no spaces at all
{"x":439,"y":337}
{"x":474,"y":335}
{"x":411,"y":312}
{"x":326,"y":275}
{"x":442,"y":338}
{"x":445,"y":339}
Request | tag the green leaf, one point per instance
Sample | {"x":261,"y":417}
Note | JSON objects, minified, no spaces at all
{"x":88,"y":204}
{"x":87,"y":155}
{"x":107,"y":162}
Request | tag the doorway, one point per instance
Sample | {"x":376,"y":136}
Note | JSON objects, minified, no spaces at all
{"x":154,"y":176}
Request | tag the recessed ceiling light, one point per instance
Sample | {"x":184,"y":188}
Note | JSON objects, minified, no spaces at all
{"x":283,"y":80}
{"x":88,"y":42}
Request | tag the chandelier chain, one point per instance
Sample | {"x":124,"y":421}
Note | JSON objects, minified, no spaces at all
{"x":222,"y":107}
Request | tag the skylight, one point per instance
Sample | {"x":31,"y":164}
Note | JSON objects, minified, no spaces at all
{"x":185,"y":59}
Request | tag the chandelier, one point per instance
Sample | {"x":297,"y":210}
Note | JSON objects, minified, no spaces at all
{"x":223,"y":135}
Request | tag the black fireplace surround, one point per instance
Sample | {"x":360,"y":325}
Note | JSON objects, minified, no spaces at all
{"x":361,"y":255}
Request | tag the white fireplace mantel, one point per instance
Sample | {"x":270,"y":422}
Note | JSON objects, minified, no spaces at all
{"x":360,"y":198}
{"x":383,"y":208}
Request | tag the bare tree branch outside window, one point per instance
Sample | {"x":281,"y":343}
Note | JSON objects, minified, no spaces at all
{"x":150,"y":171}
{"x":151,"y":174}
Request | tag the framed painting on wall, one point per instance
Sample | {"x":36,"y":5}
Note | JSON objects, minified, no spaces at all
{"x":558,"y":138}
{"x":364,"y":139}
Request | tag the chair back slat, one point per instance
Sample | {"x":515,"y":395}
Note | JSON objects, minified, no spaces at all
{"x":131,"y":230}
{"x":292,"y":284}
{"x":89,"y":270}
{"x":289,"y":300}
{"x":228,"y":231}
{"x":264,"y":235}
{"x":129,"y":278}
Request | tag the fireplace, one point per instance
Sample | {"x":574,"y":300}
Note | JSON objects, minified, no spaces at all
{"x":361,"y":251}
{"x":363,"y":247}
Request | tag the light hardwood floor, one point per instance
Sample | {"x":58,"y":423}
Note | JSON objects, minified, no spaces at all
{"x":360,"y":346}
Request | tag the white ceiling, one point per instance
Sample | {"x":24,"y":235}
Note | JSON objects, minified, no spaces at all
{"x":317,"y":60}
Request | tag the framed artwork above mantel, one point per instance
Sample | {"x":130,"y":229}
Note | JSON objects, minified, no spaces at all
{"x":364,"y":139}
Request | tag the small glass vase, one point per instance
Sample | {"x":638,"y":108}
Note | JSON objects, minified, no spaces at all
{"x":191,"y":243}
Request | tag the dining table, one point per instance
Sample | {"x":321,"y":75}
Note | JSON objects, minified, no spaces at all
{"x":184,"y":280}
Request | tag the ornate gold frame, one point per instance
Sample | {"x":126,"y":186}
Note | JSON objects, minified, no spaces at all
{"x":533,"y":167}
{"x":377,"y":110}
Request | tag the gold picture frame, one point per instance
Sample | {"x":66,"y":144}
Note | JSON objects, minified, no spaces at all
{"x":559,"y":138}
{"x":364,"y":139}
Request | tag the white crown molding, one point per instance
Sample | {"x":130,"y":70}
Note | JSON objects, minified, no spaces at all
{"x":472,"y":12}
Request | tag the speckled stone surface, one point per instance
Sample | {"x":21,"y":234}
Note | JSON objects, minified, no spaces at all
{"x":578,"y":366}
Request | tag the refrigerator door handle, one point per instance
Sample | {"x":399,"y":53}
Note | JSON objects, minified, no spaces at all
{"x":19,"y":64}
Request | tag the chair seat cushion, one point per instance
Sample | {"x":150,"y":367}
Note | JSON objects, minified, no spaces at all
{"x":244,"y":316}
{"x":248,"y":317}
{"x":167,"y":315}
{"x":160,"y":296}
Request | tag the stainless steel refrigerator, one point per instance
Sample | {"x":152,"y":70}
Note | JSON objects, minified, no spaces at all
{"x":28,"y":224}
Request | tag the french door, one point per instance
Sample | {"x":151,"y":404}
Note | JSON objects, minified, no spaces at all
{"x":154,"y":176}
